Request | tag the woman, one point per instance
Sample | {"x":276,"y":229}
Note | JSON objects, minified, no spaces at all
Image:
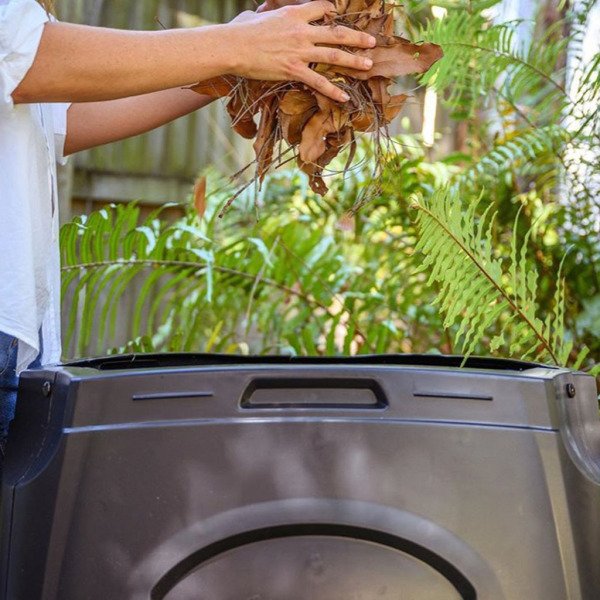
{"x":66,"y":88}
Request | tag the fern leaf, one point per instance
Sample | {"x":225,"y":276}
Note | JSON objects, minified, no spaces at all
{"x":480,"y":57}
{"x":480,"y":296}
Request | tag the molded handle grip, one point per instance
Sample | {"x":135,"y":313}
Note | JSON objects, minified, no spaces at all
{"x":314,"y":392}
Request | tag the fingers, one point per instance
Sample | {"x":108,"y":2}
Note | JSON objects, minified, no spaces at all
{"x":323,"y":85}
{"x":342,"y":36}
{"x":313,"y":11}
{"x":339,"y":58}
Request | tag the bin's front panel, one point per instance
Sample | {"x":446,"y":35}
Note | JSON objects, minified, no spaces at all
{"x":126,"y":494}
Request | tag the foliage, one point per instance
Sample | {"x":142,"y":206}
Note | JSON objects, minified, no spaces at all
{"x":484,"y":60}
{"x":464,"y":252}
{"x":477,"y":290}
{"x":299,"y":281}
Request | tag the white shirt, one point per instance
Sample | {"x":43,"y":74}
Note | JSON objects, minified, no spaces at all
{"x":31,"y":141}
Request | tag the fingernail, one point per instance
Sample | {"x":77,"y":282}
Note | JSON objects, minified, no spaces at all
{"x":368,"y":63}
{"x":372,"y":41}
{"x":344,"y":97}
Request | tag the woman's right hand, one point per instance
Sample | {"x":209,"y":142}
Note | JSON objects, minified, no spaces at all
{"x":281,"y":44}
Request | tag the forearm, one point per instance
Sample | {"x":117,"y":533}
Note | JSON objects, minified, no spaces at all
{"x":95,"y":123}
{"x":76,"y":63}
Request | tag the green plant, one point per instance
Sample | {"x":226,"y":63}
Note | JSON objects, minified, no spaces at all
{"x":298,"y":281}
{"x":478,"y":289}
{"x":532,"y":115}
{"x":467,"y":251}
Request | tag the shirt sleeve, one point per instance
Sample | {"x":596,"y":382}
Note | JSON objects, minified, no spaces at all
{"x":21,"y":27}
{"x":59,"y":114}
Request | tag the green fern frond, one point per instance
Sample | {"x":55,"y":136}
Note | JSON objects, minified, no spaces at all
{"x":515,"y":151}
{"x":480,"y":57}
{"x":479,"y":290}
{"x":144,"y":283}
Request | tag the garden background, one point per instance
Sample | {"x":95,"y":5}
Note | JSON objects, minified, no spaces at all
{"x":484,"y":236}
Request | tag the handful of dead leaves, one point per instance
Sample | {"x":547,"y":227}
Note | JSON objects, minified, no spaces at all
{"x":315,"y":127}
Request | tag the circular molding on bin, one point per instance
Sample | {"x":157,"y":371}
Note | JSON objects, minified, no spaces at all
{"x":296,"y":544}
{"x":368,"y":523}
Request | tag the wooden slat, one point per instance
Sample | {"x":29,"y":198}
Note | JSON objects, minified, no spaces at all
{"x":179,"y":150}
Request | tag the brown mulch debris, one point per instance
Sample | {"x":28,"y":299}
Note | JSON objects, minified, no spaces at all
{"x":315,"y":127}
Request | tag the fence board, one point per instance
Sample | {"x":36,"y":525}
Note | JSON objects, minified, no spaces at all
{"x":175,"y":152}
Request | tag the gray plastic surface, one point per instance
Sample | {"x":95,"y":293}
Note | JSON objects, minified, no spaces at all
{"x":314,"y":480}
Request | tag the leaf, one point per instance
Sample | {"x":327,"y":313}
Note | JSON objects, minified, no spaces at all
{"x":378,"y":87}
{"x":313,"y":143}
{"x":263,"y":146}
{"x":365,"y":121}
{"x":200,"y":196}
{"x":217,"y":87}
{"x":583,"y":353}
{"x":296,"y":102}
{"x":393,"y":107}
{"x":242,"y":119}
{"x":295,"y":109}
{"x":315,"y":127}
{"x":401,"y":58}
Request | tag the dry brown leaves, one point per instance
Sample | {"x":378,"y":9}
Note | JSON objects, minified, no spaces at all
{"x":316,"y":128}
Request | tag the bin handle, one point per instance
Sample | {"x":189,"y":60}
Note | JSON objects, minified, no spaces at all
{"x":314,"y":392}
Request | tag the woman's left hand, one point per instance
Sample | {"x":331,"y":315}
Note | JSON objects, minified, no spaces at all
{"x":274,"y":4}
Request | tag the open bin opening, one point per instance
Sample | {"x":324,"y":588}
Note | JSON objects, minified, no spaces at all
{"x":152,"y":361}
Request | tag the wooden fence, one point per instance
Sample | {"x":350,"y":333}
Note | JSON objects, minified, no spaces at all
{"x":160,"y":166}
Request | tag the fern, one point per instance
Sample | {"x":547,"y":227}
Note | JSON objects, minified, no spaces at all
{"x":296,"y":283}
{"x":103,"y":254}
{"x":290,"y":284}
{"x":480,"y":58}
{"x":478,"y":289}
{"x":516,"y":150}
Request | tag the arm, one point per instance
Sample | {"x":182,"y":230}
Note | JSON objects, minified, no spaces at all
{"x":274,"y":4}
{"x":95,"y":123}
{"x":76,"y":63}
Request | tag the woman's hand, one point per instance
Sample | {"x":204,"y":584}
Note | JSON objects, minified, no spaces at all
{"x":280,"y":45}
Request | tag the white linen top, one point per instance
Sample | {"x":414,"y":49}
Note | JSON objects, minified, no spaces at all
{"x":31,"y":141}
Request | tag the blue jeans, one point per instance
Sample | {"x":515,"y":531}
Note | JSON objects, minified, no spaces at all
{"x":8,"y":384}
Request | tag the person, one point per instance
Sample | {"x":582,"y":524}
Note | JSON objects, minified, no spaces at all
{"x":65,"y":88}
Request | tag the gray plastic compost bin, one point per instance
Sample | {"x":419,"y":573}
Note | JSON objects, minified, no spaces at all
{"x":194,"y":477}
